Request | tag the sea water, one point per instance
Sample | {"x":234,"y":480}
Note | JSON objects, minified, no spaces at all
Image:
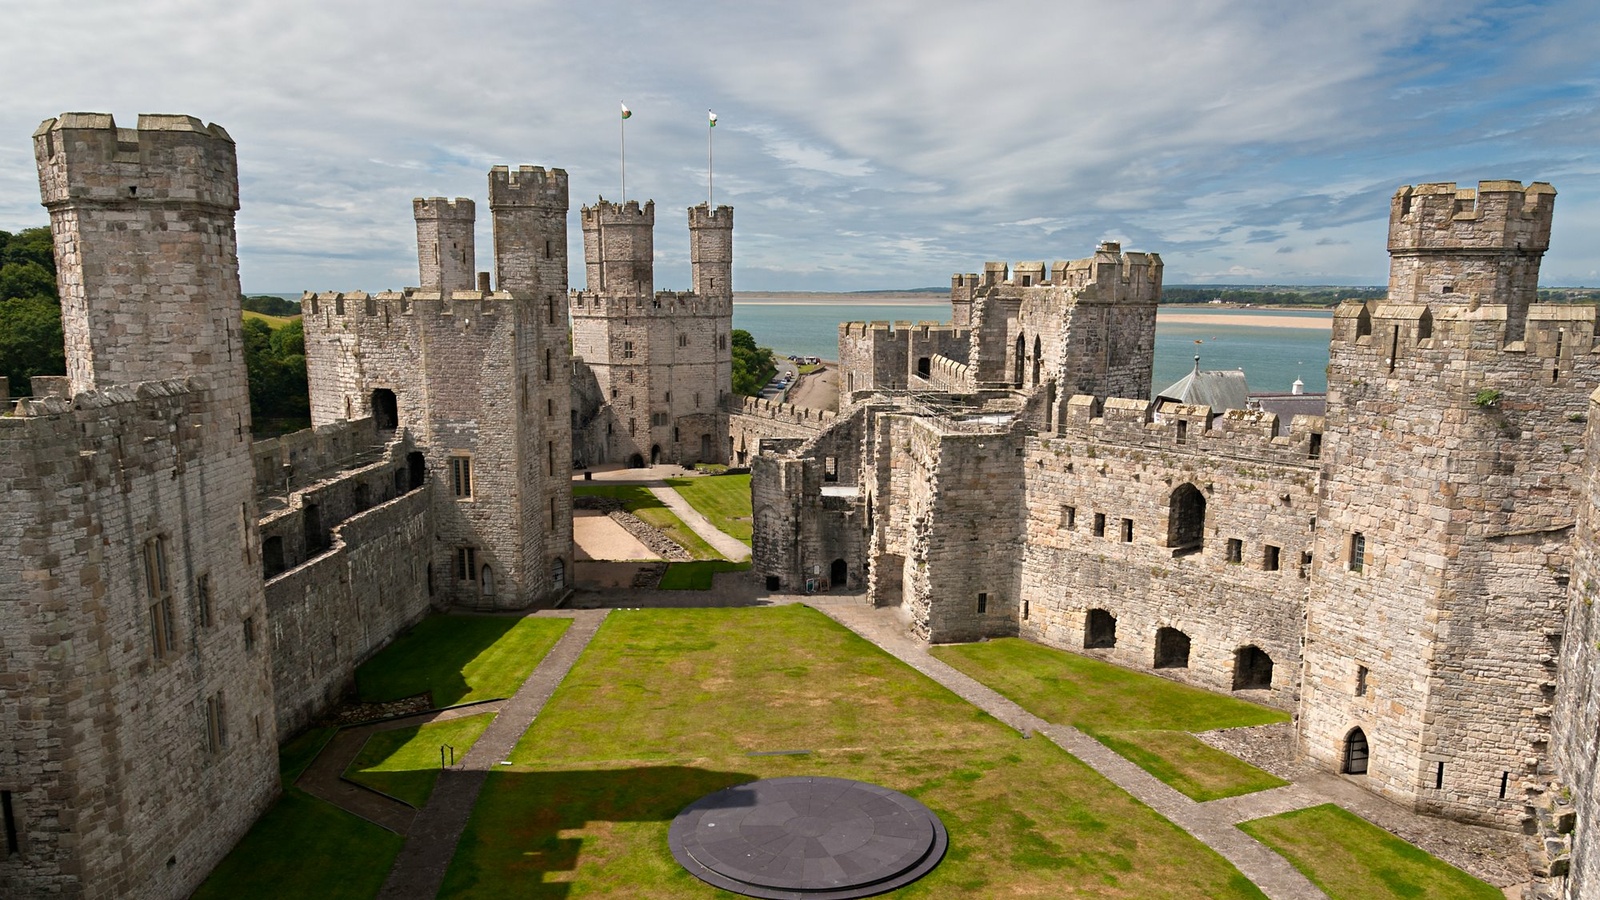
{"x":1272,"y":347}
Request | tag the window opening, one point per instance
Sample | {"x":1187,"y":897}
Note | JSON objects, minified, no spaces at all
{"x":1270,"y":557}
{"x":924,"y":367}
{"x":1361,"y":681}
{"x":1069,"y":517}
{"x":385,"y":409}
{"x":983,"y":603}
{"x":8,"y":819}
{"x":1438,"y":777}
{"x":461,"y":476}
{"x":466,"y":563}
{"x":1127,"y":531}
{"x":1186,"y":520}
{"x":1358,"y":552}
{"x":1099,"y":524}
{"x":249,"y":632}
{"x":202,"y":596}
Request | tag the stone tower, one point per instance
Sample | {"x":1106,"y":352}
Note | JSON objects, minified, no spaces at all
{"x":655,"y":368}
{"x":137,"y":738}
{"x":1443,"y":531}
{"x":446,"y":243}
{"x":481,"y":381}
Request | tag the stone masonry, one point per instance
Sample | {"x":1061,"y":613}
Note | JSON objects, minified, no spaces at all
{"x":1397,"y":573}
{"x":654,"y":369}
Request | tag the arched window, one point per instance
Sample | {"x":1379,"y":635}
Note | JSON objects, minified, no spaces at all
{"x":1355,"y":753}
{"x":1186,"y":519}
{"x":1021,"y":360}
{"x":1037,"y":353}
{"x":1099,"y":630}
{"x":1172,"y":649}
{"x":1364,"y":322}
{"x":1252,"y":669}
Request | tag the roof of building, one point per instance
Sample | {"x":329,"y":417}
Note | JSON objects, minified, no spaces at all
{"x":1219,"y":390}
{"x":1287,"y":406}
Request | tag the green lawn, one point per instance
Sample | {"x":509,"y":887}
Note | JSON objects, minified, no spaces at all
{"x":303,"y":847}
{"x":667,"y":705}
{"x":459,"y":658}
{"x":1141,"y":716}
{"x":724,"y":499}
{"x":404,"y":762}
{"x":638,"y":500}
{"x":697,"y":576}
{"x":1352,"y":859}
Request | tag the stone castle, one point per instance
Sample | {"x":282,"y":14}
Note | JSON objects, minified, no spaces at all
{"x":1412,"y":574}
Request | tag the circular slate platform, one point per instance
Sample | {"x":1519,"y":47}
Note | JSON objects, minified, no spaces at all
{"x":815,"y":838}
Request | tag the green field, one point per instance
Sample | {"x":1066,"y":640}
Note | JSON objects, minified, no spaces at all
{"x":583,"y":811}
{"x":1141,"y":716}
{"x":404,"y":762}
{"x":637,"y":499}
{"x":699,"y":575}
{"x":459,"y":659}
{"x":724,"y":499}
{"x":1352,"y":859}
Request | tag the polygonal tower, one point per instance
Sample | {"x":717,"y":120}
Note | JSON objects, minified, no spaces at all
{"x":137,"y":738}
{"x":655,"y":368}
{"x":1443,"y":531}
{"x":481,"y":381}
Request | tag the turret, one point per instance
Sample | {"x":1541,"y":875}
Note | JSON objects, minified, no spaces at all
{"x":127,"y":202}
{"x":446,"y":243}
{"x":529,"y":210}
{"x":1462,"y":245}
{"x":711,"y":250}
{"x":619,"y":247}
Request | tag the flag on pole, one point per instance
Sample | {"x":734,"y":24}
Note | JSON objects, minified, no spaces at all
{"x":626,"y":112}
{"x":713,"y":118}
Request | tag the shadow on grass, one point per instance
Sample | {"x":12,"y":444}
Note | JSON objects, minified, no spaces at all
{"x":520,"y":832}
{"x":431,"y":657}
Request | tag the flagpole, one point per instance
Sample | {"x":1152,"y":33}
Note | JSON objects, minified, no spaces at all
{"x":622,"y":144}
{"x":710,"y":180}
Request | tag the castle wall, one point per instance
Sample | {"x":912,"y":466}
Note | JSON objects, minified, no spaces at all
{"x":310,"y":453}
{"x":753,"y":421}
{"x":1451,"y":451}
{"x":104,"y":740}
{"x":1575,"y":740}
{"x":812,"y":532}
{"x":1121,"y":474}
{"x":332,"y":612}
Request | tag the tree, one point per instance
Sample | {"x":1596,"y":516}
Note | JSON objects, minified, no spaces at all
{"x":752,"y":366}
{"x":31,"y":342}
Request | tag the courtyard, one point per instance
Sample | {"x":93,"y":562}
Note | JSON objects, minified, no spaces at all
{"x":1026,"y":753}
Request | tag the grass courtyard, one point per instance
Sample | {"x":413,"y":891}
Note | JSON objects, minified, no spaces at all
{"x":584,"y":809}
{"x":459,"y":659}
{"x":724,"y":499}
{"x":1144,"y":718}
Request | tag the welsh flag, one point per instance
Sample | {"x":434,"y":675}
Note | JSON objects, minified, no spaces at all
{"x":626,"y":112}
{"x":713,"y":118}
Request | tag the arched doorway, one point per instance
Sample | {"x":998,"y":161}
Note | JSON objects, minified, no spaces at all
{"x":636,"y":461}
{"x":385,"y":410}
{"x":416,"y":468}
{"x":1099,"y":630}
{"x":655,"y":454}
{"x":487,"y":581}
{"x":558,"y":574}
{"x":924,"y":368}
{"x":838,"y":574}
{"x":705,"y":448}
{"x":1172,"y":649}
{"x":1355,"y":753}
{"x":1017,"y":365}
{"x":1252,"y":669}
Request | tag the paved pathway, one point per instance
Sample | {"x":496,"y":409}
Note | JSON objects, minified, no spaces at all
{"x":1207,"y":822}
{"x":732,"y":548}
{"x":419,"y":869}
{"x":324,"y":778}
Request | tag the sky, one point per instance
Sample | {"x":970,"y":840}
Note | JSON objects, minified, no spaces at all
{"x":863,"y":146}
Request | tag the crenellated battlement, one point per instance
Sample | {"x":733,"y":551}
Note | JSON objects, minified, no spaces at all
{"x":785,"y":412}
{"x":605,"y":212}
{"x":703,"y":216}
{"x":1497,"y":215}
{"x":1172,"y":427}
{"x":533,"y":186}
{"x":456,"y":208}
{"x":384,"y":305}
{"x":1109,"y":265}
{"x":907,"y":328}
{"x":1441,"y":332}
{"x":663,"y":303}
{"x":85,"y":157}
